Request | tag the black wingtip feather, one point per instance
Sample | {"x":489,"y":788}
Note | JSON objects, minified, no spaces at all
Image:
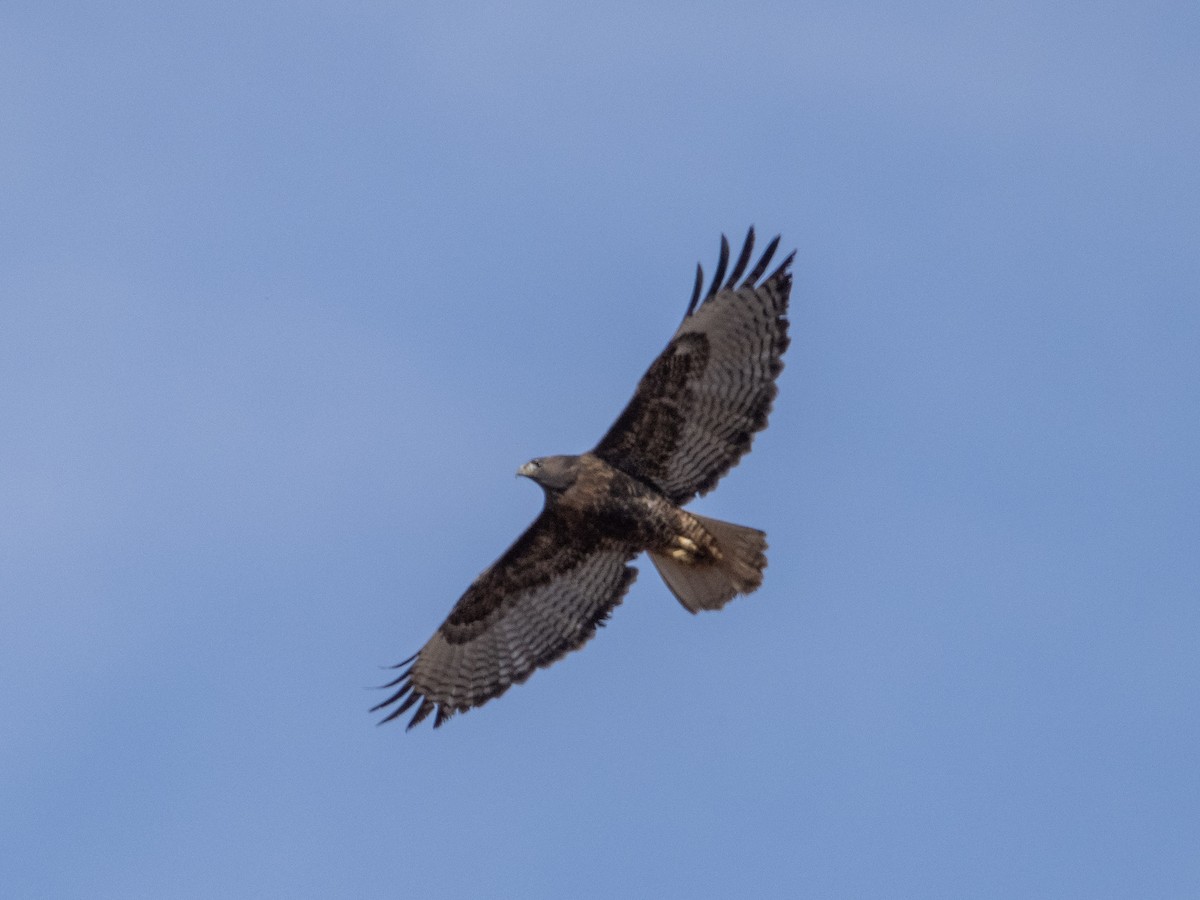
{"x":426,"y":707}
{"x":406,"y":705}
{"x":396,"y":696}
{"x":782,"y":270}
{"x":722,"y":263}
{"x":696,"y":290}
{"x":762,"y":264}
{"x":742,"y":260}
{"x":395,"y":681}
{"x":408,"y":701}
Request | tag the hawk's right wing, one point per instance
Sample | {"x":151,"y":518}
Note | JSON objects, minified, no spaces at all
{"x":543,"y":598}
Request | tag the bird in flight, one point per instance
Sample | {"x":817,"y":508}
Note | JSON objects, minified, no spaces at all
{"x":692,"y":417}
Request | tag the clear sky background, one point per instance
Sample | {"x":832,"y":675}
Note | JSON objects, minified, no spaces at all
{"x":289,"y":290}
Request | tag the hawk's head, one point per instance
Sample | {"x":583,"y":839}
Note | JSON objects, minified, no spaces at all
{"x":553,"y":473}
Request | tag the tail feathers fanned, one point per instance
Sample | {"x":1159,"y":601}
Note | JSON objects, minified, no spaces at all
{"x":712,"y":584}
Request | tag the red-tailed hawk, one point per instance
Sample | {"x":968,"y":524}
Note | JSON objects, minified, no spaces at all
{"x":693,"y":416}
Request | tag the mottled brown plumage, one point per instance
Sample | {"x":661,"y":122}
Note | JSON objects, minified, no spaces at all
{"x":692,"y":417}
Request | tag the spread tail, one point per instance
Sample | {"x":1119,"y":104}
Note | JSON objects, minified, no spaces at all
{"x":709,"y":583}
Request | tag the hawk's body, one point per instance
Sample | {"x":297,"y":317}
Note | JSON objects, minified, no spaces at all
{"x":693,"y":416}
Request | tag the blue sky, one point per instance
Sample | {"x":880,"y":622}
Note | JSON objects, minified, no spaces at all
{"x":291,"y":289}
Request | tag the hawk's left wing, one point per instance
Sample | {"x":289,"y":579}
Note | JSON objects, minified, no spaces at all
{"x":699,"y":405}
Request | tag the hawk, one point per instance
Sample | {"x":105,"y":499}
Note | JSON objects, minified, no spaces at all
{"x":692,"y":417}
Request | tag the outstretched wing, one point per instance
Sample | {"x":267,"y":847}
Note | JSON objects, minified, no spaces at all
{"x":699,"y":405}
{"x":543,"y":598}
